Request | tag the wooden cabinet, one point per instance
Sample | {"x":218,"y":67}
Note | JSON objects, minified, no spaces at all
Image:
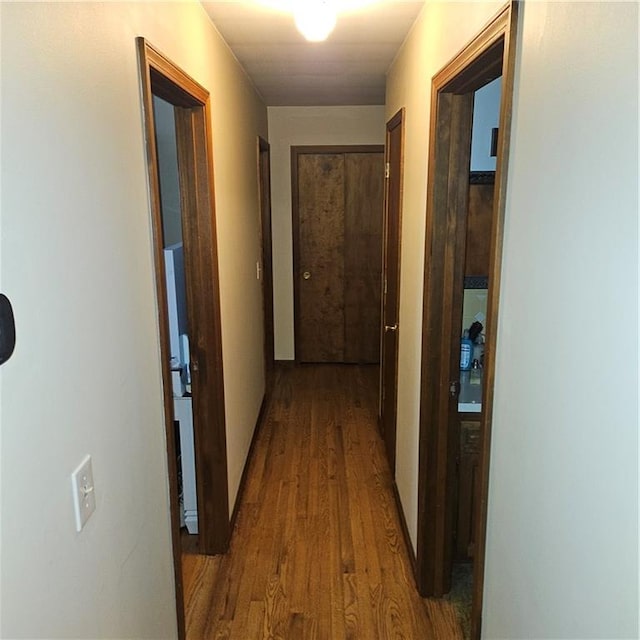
{"x":479,"y":229}
{"x":468,"y":461}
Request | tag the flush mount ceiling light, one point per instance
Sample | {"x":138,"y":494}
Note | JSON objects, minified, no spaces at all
{"x":315,"y":19}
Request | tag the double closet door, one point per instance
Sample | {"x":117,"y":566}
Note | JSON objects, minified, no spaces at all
{"x":337,"y":214}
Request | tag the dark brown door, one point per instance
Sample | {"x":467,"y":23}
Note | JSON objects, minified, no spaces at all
{"x":337,"y":197}
{"x":320,"y":273}
{"x":442,"y":320}
{"x":264,"y":171}
{"x":391,"y":286}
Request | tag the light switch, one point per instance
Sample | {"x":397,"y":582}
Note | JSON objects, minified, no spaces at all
{"x":84,"y":495}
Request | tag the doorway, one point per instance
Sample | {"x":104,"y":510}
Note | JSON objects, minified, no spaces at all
{"x":490,"y":55}
{"x":337,"y":196}
{"x":177,"y":309}
{"x":160,"y":78}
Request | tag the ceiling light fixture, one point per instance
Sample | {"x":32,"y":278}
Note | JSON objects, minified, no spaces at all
{"x":315,"y":19}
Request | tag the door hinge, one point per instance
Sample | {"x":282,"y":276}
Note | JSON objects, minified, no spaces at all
{"x":386,"y":171}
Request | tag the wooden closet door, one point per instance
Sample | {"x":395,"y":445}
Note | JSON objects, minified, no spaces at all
{"x":321,"y":263}
{"x":338,"y":248}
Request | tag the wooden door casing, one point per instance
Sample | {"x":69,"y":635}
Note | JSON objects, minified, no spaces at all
{"x":191,"y":102}
{"x":337,"y":214}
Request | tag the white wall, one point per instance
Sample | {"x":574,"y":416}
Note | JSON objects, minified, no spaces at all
{"x":486,"y":113}
{"x":562,"y":555}
{"x":166,"y":144}
{"x":295,"y":126}
{"x":77,"y":263}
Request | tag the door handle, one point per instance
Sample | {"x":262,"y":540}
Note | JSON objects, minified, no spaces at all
{"x":306,"y":275}
{"x":393,"y":327}
{"x":7,"y":329}
{"x":454,"y":388}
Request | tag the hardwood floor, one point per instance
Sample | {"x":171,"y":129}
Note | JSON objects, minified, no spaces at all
{"x":317,"y":551}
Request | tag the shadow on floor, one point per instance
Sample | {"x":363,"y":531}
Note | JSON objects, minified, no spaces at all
{"x":461,"y":595}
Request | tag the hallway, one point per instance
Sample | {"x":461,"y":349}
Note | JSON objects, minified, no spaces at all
{"x":318,"y":550}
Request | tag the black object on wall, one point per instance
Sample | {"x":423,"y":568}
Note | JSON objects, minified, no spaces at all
{"x":494,"y":142}
{"x":7,"y":329}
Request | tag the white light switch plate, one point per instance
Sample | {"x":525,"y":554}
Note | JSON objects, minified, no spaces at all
{"x":84,"y":496}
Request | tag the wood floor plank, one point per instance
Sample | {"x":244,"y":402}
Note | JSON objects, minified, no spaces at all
{"x":317,"y":552}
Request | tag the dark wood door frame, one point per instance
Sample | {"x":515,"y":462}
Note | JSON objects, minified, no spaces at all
{"x":160,"y":77}
{"x":264,"y":177}
{"x":295,"y":152}
{"x":390,"y":329}
{"x":489,"y":55}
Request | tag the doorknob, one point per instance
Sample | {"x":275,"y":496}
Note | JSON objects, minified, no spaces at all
{"x":306,"y":275}
{"x":7,"y":329}
{"x":393,"y":327}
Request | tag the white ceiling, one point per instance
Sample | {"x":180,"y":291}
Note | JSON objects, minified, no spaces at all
{"x":347,"y":69}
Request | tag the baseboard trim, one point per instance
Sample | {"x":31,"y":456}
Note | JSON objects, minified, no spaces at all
{"x":405,"y":532}
{"x":247,"y":462}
